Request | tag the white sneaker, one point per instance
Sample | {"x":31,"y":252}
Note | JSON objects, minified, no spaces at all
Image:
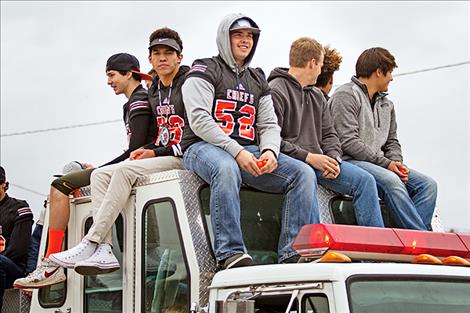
{"x":80,"y":252}
{"x":102,"y":261}
{"x":46,"y":274}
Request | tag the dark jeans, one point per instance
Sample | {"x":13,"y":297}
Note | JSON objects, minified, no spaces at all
{"x":9,"y":272}
{"x":33,"y":251}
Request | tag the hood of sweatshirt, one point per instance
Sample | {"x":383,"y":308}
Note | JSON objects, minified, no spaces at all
{"x":283,"y":72}
{"x":223,"y":41}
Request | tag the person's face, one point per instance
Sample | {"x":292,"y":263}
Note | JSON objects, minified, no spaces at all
{"x":165,"y":61}
{"x":117,"y":81}
{"x":316,"y":68}
{"x":2,"y":189}
{"x":384,"y":80}
{"x":241,"y":42}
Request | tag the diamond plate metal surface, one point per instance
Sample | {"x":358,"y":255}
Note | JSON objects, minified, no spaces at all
{"x":15,"y":301}
{"x":190,"y":184}
{"x":324,"y":197}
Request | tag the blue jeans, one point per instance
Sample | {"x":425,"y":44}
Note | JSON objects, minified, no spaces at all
{"x":412,"y":204}
{"x":33,"y":251}
{"x":9,"y":272}
{"x":219,"y":169}
{"x":361,"y":185}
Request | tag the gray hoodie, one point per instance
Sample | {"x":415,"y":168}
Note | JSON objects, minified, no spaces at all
{"x":366,"y":133}
{"x":207,"y":82}
{"x":304,"y":116}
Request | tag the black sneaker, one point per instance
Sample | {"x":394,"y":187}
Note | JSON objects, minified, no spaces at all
{"x":292,"y":259}
{"x":237,"y":260}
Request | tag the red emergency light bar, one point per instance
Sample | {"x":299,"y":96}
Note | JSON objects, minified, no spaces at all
{"x":466,"y":241}
{"x":314,"y":240}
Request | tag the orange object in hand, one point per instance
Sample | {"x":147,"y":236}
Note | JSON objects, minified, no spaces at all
{"x":403,"y":171}
{"x":261,"y":163}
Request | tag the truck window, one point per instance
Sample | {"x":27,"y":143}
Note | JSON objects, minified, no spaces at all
{"x":315,"y":303}
{"x":342,"y":212}
{"x":274,"y":304}
{"x":103,"y":293}
{"x":166,"y":281}
{"x":260,"y":215}
{"x":409,"y":295}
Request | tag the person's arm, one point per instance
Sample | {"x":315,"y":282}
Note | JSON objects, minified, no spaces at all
{"x":139,"y":125}
{"x":345,"y":111}
{"x":20,"y":238}
{"x":198,"y":97}
{"x":267,"y":126}
{"x":330,"y":142}
{"x":392,"y":147}
{"x":291,"y":149}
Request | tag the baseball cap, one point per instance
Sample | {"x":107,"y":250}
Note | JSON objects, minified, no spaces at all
{"x":3,"y":177}
{"x":71,"y":167}
{"x":125,"y":62}
{"x":244,"y":23}
{"x":169,"y":42}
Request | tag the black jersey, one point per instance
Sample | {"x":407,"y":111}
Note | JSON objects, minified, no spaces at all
{"x":16,"y":220}
{"x":236,"y":99}
{"x":168,"y":113}
{"x":137,"y":117}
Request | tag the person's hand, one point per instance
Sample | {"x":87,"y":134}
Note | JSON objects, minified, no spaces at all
{"x":324,"y":163}
{"x":247,"y":162}
{"x":401,"y":170}
{"x":142,"y":153}
{"x":267,"y":162}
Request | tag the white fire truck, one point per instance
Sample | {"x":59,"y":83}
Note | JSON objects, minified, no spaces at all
{"x":163,"y":242}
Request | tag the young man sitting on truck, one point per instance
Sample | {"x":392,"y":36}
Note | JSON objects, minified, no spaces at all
{"x":124,"y":77}
{"x":234,"y":138}
{"x":331,"y":62}
{"x":308,"y":134}
{"x":93,"y":255}
{"x":365,"y":121}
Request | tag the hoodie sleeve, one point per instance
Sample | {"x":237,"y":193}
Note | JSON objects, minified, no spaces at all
{"x":198,"y":97}
{"x":345,"y":111}
{"x":280,"y":107}
{"x":392,"y":148}
{"x":330,"y":142}
{"x":20,"y":238}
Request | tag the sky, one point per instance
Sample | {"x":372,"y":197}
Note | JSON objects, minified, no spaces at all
{"x":53,"y":57}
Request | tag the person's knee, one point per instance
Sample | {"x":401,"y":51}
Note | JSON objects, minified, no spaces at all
{"x":97,"y":175}
{"x":60,"y":187}
{"x":431,"y":186}
{"x":57,"y":195}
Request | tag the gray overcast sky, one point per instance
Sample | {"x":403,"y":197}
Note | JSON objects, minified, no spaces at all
{"x":53,"y":56}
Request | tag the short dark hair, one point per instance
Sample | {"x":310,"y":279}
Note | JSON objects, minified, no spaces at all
{"x":135,"y":76}
{"x":331,"y":61}
{"x":166,"y":32}
{"x":372,"y":59}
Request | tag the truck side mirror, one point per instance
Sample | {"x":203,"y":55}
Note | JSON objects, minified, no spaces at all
{"x":235,"y":306}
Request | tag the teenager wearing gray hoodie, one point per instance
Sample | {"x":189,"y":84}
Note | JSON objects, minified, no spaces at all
{"x":308,"y":133}
{"x":235,"y":139}
{"x":365,"y":121}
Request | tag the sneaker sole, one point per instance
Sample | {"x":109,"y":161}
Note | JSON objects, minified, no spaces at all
{"x":38,"y":286}
{"x":89,"y":270}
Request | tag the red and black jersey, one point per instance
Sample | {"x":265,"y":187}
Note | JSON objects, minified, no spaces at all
{"x":168,"y":114}
{"x":236,"y":98}
{"x":16,"y":219}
